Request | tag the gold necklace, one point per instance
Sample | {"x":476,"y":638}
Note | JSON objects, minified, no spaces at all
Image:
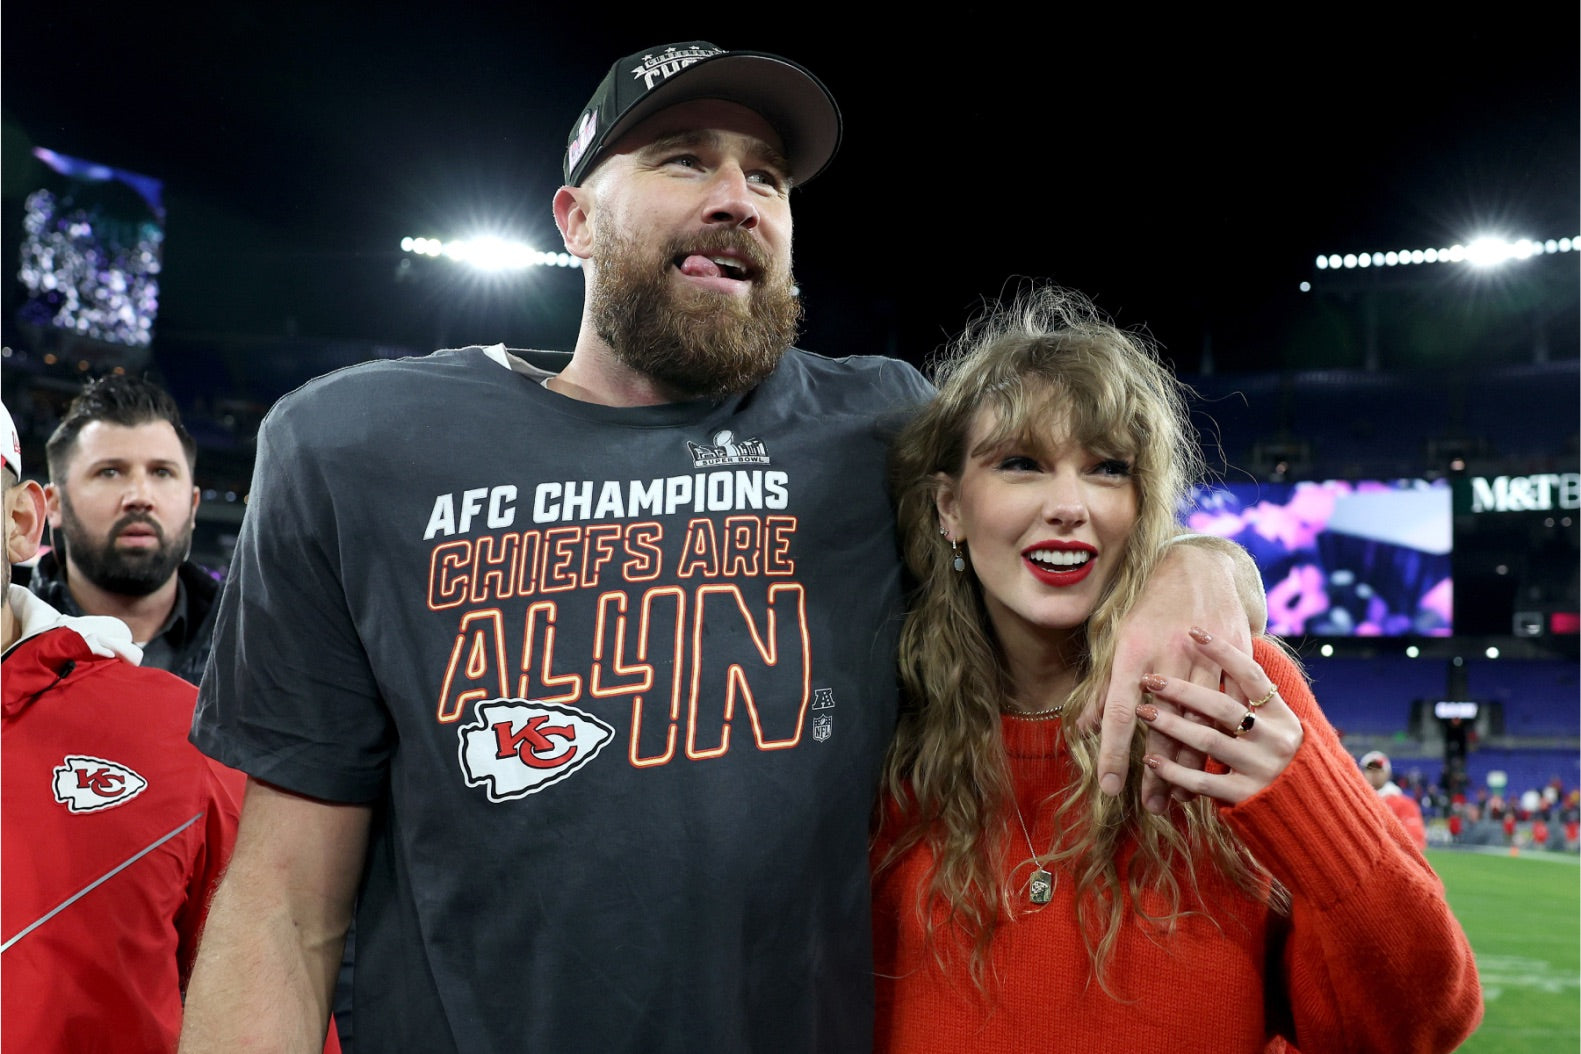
{"x":1036,"y":715}
{"x":1040,"y":887}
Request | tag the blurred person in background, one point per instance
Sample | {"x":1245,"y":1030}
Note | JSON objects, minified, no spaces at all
{"x":115,"y":827}
{"x":122,"y":505}
{"x":1380,"y":773}
{"x":1531,"y":803}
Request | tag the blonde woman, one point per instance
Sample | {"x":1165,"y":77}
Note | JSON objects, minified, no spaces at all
{"x":1019,"y":909}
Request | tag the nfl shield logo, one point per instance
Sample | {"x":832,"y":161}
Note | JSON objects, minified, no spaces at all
{"x":822,"y":725}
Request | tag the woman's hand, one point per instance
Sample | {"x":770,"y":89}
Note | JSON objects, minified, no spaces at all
{"x":1247,"y":727}
{"x":1201,"y":581}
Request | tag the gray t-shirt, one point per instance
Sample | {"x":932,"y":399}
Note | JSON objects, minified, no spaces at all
{"x":665,"y":850}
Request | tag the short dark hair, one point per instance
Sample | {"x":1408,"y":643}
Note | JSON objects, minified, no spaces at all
{"x":118,"y":400}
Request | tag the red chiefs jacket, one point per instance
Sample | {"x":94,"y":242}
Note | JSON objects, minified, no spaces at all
{"x":115,"y":830}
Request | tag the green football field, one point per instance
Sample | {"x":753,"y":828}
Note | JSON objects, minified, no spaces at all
{"x":1523,"y":915}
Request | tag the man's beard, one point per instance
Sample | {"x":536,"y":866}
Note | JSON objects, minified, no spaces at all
{"x":134,"y":573}
{"x":697,"y":342}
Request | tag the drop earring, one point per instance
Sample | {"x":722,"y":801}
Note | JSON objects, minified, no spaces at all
{"x":960,"y":561}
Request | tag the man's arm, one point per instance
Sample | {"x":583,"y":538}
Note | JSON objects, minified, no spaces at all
{"x":1201,"y":581}
{"x":224,"y":790}
{"x":267,"y":962}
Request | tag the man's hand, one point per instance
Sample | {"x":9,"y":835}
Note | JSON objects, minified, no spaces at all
{"x":1201,"y":581}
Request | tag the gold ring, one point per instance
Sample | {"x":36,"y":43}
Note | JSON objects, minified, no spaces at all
{"x":1246,"y":724}
{"x":1271,"y":693}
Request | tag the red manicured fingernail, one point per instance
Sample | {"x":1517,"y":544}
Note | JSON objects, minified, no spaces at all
{"x":1151,"y":761}
{"x":1154,"y":683}
{"x":1147,"y":711}
{"x":1201,"y":636}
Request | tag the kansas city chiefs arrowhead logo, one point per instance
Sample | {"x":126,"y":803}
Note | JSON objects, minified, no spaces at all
{"x":519,"y":747}
{"x":85,"y":784}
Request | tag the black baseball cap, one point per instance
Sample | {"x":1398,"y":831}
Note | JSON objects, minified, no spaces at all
{"x":787,"y":95}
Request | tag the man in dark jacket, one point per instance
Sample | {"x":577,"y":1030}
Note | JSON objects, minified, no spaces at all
{"x":122,"y":505}
{"x":115,"y":828}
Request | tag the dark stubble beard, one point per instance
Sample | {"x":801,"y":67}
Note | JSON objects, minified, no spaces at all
{"x":699,"y":343}
{"x":132,"y":574}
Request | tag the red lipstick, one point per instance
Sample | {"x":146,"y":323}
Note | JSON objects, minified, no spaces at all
{"x":1060,"y":571}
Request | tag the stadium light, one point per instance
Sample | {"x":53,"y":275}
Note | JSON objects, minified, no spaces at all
{"x":488,"y":253}
{"x":1481,"y":252}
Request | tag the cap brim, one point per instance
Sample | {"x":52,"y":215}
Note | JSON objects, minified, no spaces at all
{"x":789,"y":97}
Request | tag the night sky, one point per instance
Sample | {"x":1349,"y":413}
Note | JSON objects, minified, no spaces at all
{"x":1182,"y":168}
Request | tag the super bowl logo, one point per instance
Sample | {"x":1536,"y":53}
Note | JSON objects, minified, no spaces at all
{"x":726,"y":449}
{"x":518,"y":747}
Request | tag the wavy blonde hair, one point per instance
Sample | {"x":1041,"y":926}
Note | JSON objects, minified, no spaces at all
{"x":1046,"y":365}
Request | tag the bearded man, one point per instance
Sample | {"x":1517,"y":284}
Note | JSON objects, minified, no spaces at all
{"x":122,"y":504}
{"x":572,"y":675}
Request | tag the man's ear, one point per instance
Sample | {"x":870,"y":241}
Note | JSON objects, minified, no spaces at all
{"x":24,"y":520}
{"x":948,"y":505}
{"x":52,"y":505}
{"x":573,"y":215}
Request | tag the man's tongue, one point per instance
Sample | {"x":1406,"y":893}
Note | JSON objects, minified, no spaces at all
{"x":700,"y":267}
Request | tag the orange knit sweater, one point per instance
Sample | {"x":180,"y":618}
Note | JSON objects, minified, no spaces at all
{"x":1369,"y":959}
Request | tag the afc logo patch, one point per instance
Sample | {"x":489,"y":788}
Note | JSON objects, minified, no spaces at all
{"x":822,"y":723}
{"x":518,"y":747}
{"x":84,"y":784}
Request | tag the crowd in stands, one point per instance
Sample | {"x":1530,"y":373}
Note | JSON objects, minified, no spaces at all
{"x":1546,"y":817}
